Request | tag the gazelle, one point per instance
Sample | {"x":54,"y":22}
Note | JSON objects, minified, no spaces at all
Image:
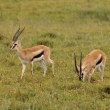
{"x":40,"y":53}
{"x":94,"y":60}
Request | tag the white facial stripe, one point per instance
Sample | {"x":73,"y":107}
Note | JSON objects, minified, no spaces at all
{"x":14,"y":45}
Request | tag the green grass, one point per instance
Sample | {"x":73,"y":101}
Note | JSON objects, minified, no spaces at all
{"x":66,"y":27}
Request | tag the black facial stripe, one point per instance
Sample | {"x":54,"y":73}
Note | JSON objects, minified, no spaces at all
{"x":37,"y":56}
{"x":99,"y":61}
{"x":82,"y":75}
{"x":14,"y":46}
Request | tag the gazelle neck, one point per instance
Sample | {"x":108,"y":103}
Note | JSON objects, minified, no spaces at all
{"x":20,"y":51}
{"x":87,"y":68}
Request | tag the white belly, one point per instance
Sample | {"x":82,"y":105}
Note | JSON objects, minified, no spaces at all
{"x":38,"y":59}
{"x":97,"y":66}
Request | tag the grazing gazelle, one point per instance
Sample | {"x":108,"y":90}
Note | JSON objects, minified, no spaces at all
{"x":94,"y":60}
{"x":40,"y":53}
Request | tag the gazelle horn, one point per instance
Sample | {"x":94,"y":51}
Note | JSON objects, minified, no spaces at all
{"x":81,"y":63}
{"x":17,"y":34}
{"x":13,"y":38}
{"x":75,"y":64}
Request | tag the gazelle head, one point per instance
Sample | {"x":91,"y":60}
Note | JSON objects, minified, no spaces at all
{"x":15,"y":41}
{"x":79,"y":70}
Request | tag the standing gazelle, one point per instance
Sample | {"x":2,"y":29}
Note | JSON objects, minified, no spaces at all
{"x":94,"y":60}
{"x":40,"y":53}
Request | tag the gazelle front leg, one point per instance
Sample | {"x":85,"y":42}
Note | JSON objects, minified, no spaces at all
{"x":23,"y":69}
{"x":31,"y":67}
{"x":90,"y":75}
{"x":83,"y":77}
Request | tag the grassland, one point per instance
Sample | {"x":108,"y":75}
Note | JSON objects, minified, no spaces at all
{"x":66,"y":27}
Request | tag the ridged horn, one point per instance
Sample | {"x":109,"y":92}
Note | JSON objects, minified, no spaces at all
{"x":81,"y":63}
{"x":14,"y":37}
{"x":18,"y":34}
{"x":75,"y":63}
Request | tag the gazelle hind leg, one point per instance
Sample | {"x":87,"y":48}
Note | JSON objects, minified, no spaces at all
{"x":47,"y":59}
{"x":52,"y":62}
{"x":101,"y":70}
{"x":44,"y":66}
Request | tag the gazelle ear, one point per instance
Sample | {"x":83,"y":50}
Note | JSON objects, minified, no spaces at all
{"x":21,"y":40}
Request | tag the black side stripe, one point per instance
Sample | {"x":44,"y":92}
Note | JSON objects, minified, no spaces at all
{"x":99,"y":61}
{"x":37,"y":56}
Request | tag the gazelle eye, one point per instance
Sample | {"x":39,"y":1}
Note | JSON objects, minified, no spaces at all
{"x":13,"y":46}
